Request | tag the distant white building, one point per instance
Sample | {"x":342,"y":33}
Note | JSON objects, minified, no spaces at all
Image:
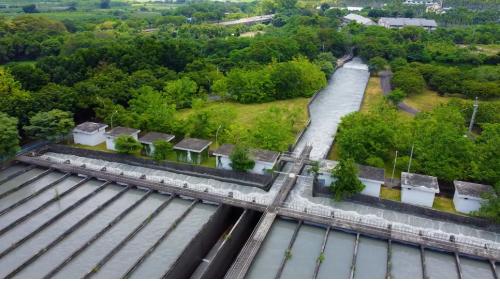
{"x":148,"y":141}
{"x":371,"y":177}
{"x":402,"y":22}
{"x":120,"y":131}
{"x":468,"y":196}
{"x":359,"y":19}
{"x":264,"y":159}
{"x":418,"y":189}
{"x":89,"y":133}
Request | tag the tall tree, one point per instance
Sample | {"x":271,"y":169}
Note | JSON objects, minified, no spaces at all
{"x":9,"y":136}
{"x":127,"y":144}
{"x":346,"y":181}
{"x":240,"y":159}
{"x":486,"y":161}
{"x":52,"y":125}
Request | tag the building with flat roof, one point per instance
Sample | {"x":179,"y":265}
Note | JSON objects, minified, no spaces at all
{"x":120,"y":131}
{"x":148,"y":141}
{"x":264,"y":159}
{"x":418,"y":189}
{"x":372,"y":177}
{"x":468,"y":196}
{"x":89,"y":133}
{"x":192,"y":150}
{"x":402,"y":22}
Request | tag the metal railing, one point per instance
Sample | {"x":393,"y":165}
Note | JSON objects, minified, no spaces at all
{"x":396,"y":228}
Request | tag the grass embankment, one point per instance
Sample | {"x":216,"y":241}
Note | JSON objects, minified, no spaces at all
{"x":427,"y":100}
{"x":247,"y":113}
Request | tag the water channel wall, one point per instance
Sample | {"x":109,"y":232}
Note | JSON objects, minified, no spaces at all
{"x":202,"y":243}
{"x":321,"y":191}
{"x":260,"y":181}
{"x":231,"y":246}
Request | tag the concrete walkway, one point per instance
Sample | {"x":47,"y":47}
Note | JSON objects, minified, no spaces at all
{"x":385,"y":83}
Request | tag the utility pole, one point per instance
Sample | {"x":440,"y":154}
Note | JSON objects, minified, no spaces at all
{"x":394,"y":167}
{"x":411,"y":156}
{"x":476,"y":105}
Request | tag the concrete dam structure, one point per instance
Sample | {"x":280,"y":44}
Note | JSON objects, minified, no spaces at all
{"x":67,"y":216}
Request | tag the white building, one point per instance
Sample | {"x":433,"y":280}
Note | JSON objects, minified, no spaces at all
{"x":468,"y":196}
{"x":402,"y":22}
{"x":192,"y":150}
{"x":89,"y":133}
{"x":371,"y":177}
{"x":148,"y":141}
{"x":264,"y":159}
{"x":119,"y":131}
{"x":359,"y":19}
{"x":418,"y":189}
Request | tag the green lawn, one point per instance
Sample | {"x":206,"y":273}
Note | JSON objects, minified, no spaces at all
{"x":390,"y":194}
{"x":427,"y":100}
{"x":247,"y":113}
{"x":444,"y":204}
{"x":373,"y":95}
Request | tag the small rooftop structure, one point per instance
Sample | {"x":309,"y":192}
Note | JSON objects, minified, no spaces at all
{"x":89,"y":133}
{"x":89,"y":127}
{"x":264,"y":159}
{"x":256,"y":154}
{"x":402,"y":22}
{"x":418,"y":189}
{"x":359,"y":19}
{"x":468,"y":195}
{"x":420,"y":182}
{"x":119,"y":131}
{"x":148,"y":141}
{"x":151,"y":137}
{"x":191,"y":150}
{"x":193,"y":144}
{"x":371,"y":177}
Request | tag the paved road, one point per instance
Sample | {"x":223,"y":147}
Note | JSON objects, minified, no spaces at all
{"x":385,"y":83}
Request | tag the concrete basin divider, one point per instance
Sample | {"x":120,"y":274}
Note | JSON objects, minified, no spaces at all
{"x":70,"y":230}
{"x":200,"y":245}
{"x":43,"y":206}
{"x":52,"y":220}
{"x":129,"y":237}
{"x":29,"y":181}
{"x":9,"y":177}
{"x":96,"y":236}
{"x":354,"y":256}
{"x":165,"y":234}
{"x":288,"y":252}
{"x":228,"y":250}
{"x":34,"y":194}
{"x":319,"y":261}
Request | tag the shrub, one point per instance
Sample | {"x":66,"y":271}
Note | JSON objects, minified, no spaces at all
{"x":127,"y":144}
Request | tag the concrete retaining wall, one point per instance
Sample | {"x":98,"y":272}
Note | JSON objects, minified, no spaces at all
{"x":260,"y":181}
{"x":230,"y":248}
{"x":319,"y":191}
{"x":201,"y":244}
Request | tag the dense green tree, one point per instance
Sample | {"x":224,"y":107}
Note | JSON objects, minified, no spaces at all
{"x":377,"y":64}
{"x":396,"y":96}
{"x":409,"y":81}
{"x":273,"y":129}
{"x":13,"y":100}
{"x":240,"y":159}
{"x":9,"y":136}
{"x":486,"y":161}
{"x":30,"y":77}
{"x":182,"y":91}
{"x":52,"y":125}
{"x":127,"y":144}
{"x":346,"y":181}
{"x":491,"y":208}
{"x":207,"y":122}
{"x":162,"y":150}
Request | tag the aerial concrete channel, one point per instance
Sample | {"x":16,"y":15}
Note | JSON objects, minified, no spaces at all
{"x":64,"y":216}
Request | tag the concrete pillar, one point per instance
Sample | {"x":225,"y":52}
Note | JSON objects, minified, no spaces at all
{"x":355,"y":254}
{"x":459,"y":267}
{"x":389,"y":259}
{"x":422,"y":258}
{"x":319,"y":261}
{"x":288,"y":251}
{"x":494,"y":269}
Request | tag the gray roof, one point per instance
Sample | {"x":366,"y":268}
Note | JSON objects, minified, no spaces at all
{"x":364,"y":172}
{"x":471,"y":189}
{"x":119,"y":131}
{"x":422,"y":182}
{"x":371,"y":173}
{"x":151,"y":137}
{"x":408,"y":22}
{"x":359,"y":19}
{"x":89,"y":127}
{"x":192,"y":144}
{"x":256,"y":154}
